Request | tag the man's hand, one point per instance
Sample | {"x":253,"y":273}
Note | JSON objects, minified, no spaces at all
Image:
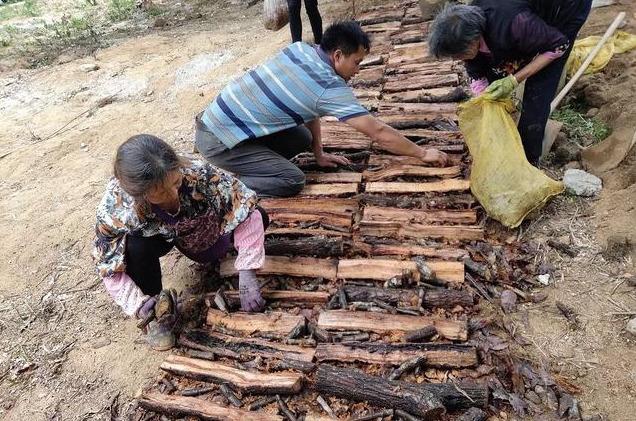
{"x":502,"y":88}
{"x":250,"y":291}
{"x":435,"y":157}
{"x":330,"y":160}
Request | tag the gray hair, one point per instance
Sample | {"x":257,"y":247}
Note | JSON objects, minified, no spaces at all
{"x":454,"y":28}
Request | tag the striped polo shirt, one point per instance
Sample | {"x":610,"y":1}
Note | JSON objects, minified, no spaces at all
{"x":295,"y":86}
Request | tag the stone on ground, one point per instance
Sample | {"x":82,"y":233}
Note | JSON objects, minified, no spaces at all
{"x":581,"y":183}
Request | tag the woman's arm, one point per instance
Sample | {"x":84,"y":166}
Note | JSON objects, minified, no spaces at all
{"x":536,"y":65}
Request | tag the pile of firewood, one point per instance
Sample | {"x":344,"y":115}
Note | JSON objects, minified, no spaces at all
{"x":376,"y":280}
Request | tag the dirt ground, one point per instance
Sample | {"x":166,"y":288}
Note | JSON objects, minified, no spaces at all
{"x":68,"y":353}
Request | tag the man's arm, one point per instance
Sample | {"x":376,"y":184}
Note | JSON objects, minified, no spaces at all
{"x":391,"y":140}
{"x":323,"y":159}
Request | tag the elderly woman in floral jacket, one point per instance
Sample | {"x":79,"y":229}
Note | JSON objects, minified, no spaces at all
{"x":158,"y":200}
{"x":506,"y":42}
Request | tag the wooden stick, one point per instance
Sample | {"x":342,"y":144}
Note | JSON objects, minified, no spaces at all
{"x":421,"y":335}
{"x":245,"y":381}
{"x":307,"y":298}
{"x":231,"y":397}
{"x":431,"y":186}
{"x":335,"y":189}
{"x":291,"y":266}
{"x":399,"y":230}
{"x":407,"y":366}
{"x":377,"y":213}
{"x":276,"y":323}
{"x":334,"y":177}
{"x":178,"y":406}
{"x":196,"y":391}
{"x":375,"y":415}
{"x":325,"y":406}
{"x":384,"y":269}
{"x":610,"y":31}
{"x":285,"y":409}
{"x":395,"y":171}
{"x":432,"y":298}
{"x":261,"y":403}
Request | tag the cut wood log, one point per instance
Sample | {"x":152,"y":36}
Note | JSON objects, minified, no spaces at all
{"x":409,"y":250}
{"x":245,"y":381}
{"x":437,"y":355}
{"x":418,"y":231}
{"x":441,"y":94}
{"x":381,"y":269}
{"x":455,"y":330}
{"x":336,"y":135}
{"x":372,"y":60}
{"x":429,"y":401}
{"x":371,"y":76}
{"x":204,"y":340}
{"x":421,"y":82}
{"x":436,"y":67}
{"x":181,"y":406}
{"x":291,"y":266}
{"x":439,"y":137}
{"x":333,"y":177}
{"x":329,"y":211}
{"x":368,"y":94}
{"x":432,"y":186}
{"x":377,"y":213}
{"x":392,"y":172}
{"x":421,"y":335}
{"x":309,"y":246}
{"x":275,"y":323}
{"x":432,"y":298}
{"x":425,"y":201}
{"x":439,"y":108}
{"x":385,"y":160}
{"x":335,"y":189}
{"x":380,"y":16}
{"x":305,"y":232}
{"x":407,"y":121}
{"x":388,"y":26}
{"x":297,"y":297}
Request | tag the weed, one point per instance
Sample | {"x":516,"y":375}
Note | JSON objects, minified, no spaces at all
{"x":581,"y":129}
{"x":119,"y":10}
{"x":155,"y":11}
{"x":27,"y":8}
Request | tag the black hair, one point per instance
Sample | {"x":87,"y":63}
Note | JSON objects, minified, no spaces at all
{"x":142,"y":162}
{"x":455,"y":27}
{"x":346,"y":36}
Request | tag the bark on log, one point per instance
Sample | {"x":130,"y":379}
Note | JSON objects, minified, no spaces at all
{"x":371,"y":76}
{"x":245,"y":381}
{"x":291,"y":266}
{"x":432,"y":186}
{"x":408,"y":121}
{"x":437,"y":355}
{"x":333,"y":177}
{"x":437,"y":67}
{"x":379,"y":16}
{"x":335,"y":189}
{"x":429,"y":401}
{"x":383,"y":160}
{"x":181,"y":406}
{"x":426,"y":201}
{"x":310,"y":246}
{"x":394,"y":171}
{"x":414,"y":230}
{"x":337,"y":135}
{"x":441,"y":94}
{"x":421,"y":82}
{"x":421,"y":335}
{"x":372,"y":60}
{"x":409,"y":250}
{"x":433,"y":298}
{"x":297,"y":297}
{"x":204,"y":340}
{"x":307,"y":232}
{"x":447,"y":109}
{"x":329,"y":211}
{"x":437,"y":138}
{"x":276,"y":323}
{"x":377,"y":213}
{"x":456,"y":330}
{"x":388,"y":26}
{"x":381,"y":269}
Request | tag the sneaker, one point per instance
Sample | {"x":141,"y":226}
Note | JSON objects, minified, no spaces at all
{"x":160,"y":333}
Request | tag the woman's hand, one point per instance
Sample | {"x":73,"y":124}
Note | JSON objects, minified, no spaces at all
{"x":502,"y":88}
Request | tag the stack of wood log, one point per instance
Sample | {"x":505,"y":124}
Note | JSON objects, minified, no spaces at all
{"x":373,"y":278}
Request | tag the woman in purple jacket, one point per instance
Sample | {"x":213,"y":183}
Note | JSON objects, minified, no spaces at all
{"x":504,"y":43}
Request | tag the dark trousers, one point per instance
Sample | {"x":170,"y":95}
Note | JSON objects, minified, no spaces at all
{"x":541,"y":88}
{"x":295,"y":23}
{"x":261,"y":164}
{"x":143,"y":253}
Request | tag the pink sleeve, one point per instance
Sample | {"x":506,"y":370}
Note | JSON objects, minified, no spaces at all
{"x":125,"y":292}
{"x":478,"y":86}
{"x":249,"y":241}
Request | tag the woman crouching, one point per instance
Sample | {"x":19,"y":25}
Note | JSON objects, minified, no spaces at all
{"x":157,"y":200}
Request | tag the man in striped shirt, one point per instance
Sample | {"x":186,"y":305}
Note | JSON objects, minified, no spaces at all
{"x":272,"y":113}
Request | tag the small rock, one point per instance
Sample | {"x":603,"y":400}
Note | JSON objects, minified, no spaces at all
{"x":581,"y":183}
{"x":159,"y":22}
{"x":89,"y":67}
{"x":544,"y":279}
{"x":100,"y":343}
{"x":631,"y":281}
{"x":631,"y":326}
{"x":572,"y":165}
{"x":83,"y":146}
{"x":592,"y":112}
{"x":508,"y":301}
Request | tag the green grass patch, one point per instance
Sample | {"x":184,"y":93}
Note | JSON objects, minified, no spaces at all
{"x":581,"y":129}
{"x":27,"y":8}
{"x":120,"y":10}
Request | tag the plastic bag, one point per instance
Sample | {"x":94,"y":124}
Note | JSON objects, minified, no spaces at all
{"x":617,"y":44}
{"x":275,"y":14}
{"x":503,"y":181}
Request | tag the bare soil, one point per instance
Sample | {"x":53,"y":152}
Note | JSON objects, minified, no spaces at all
{"x":68,"y":353}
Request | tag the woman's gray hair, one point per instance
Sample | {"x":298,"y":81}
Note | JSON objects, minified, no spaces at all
{"x":454,"y":28}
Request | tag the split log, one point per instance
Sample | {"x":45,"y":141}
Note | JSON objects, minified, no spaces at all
{"x":412,"y":49}
{"x":439,"y":137}
{"x":333,"y":177}
{"x":433,"y":298}
{"x":426,"y":201}
{"x":245,"y":381}
{"x":408,"y":36}
{"x":384,"y":269}
{"x":407,"y":121}
{"x":377,"y":213}
{"x":365,"y":94}
{"x":384,"y":160}
{"x":371,"y":76}
{"x":437,"y":355}
{"x":431,"y":186}
{"x":292,"y":266}
{"x":413,"y":230}
{"x":205,"y":340}
{"x":379,"y":16}
{"x":307,"y":232}
{"x":372,"y":60}
{"x":388,"y":26}
{"x":441,"y":94}
{"x":390,"y":323}
{"x":335,"y":189}
{"x":329,"y":211}
{"x":296,"y":297}
{"x":439,"y":108}
{"x":276,"y":323}
{"x":409,"y":250}
{"x":436,"y":67}
{"x":181,"y":406}
{"x":429,"y":401}
{"x":394,"y":171}
{"x":421,"y":335}
{"x":421,"y":82}
{"x":310,"y":246}
{"x":336,"y":135}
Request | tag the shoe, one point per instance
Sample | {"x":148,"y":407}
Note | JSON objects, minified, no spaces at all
{"x":160,"y":333}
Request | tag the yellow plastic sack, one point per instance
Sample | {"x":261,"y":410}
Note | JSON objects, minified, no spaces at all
{"x":501,"y":178}
{"x":617,"y":44}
